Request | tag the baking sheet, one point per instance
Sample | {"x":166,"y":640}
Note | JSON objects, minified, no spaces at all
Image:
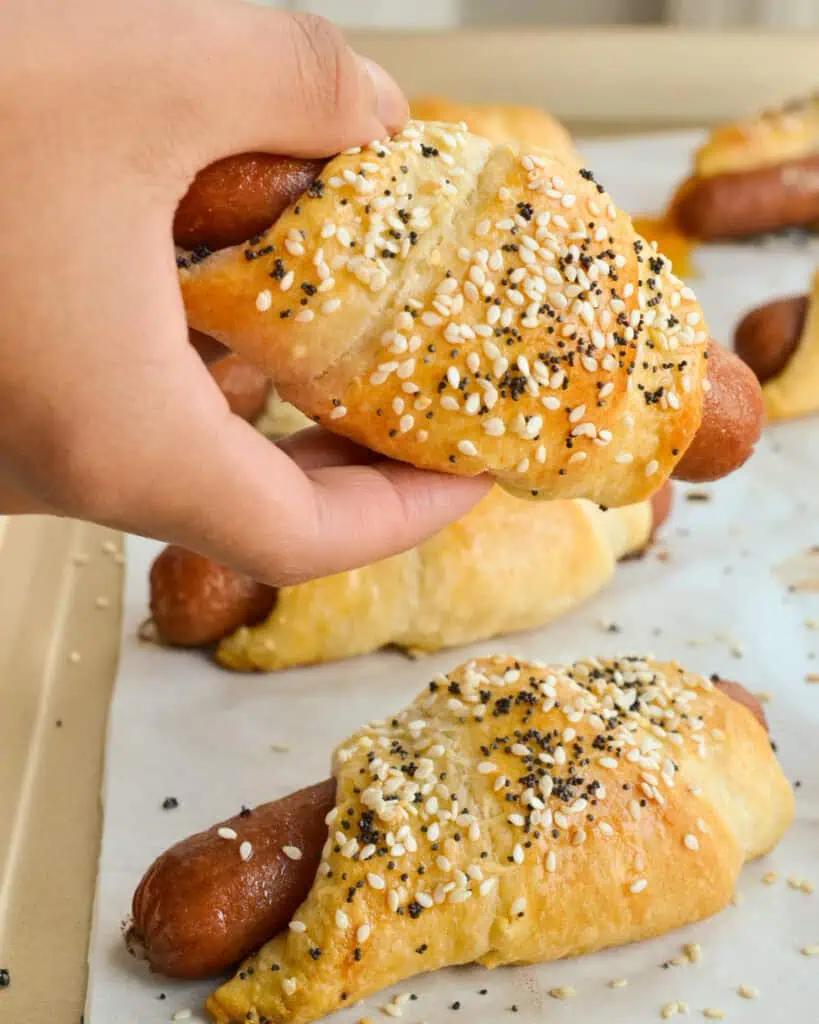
{"x":724,"y":592}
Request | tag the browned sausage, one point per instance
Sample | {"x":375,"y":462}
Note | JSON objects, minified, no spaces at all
{"x":747,"y":203}
{"x":767,"y":337}
{"x":201,"y":908}
{"x":236,"y":198}
{"x":195,"y":602}
{"x":239,"y":197}
{"x":245,"y":388}
{"x":732,"y":420}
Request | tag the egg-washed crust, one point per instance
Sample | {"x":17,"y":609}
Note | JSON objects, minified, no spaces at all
{"x":500,"y":122}
{"x":794,"y":391}
{"x":545,"y":558}
{"x":786,"y":134}
{"x":468,"y":308}
{"x":516,"y":813}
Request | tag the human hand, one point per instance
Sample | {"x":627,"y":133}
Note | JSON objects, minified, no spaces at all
{"x":109,"y":414}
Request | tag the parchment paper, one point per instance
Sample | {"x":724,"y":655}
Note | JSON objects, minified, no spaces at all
{"x":724,"y":592}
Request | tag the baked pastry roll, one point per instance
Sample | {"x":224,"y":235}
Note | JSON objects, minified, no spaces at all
{"x":516,"y":813}
{"x":754,"y":175}
{"x":545,"y":559}
{"x":469,"y":308}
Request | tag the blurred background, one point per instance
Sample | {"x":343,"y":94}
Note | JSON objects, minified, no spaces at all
{"x":432,"y":14}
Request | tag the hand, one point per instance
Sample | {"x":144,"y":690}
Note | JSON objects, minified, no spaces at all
{"x":108,"y":413}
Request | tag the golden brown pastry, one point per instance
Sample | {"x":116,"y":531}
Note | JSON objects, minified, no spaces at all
{"x":546,"y":558}
{"x":517,"y":813}
{"x":500,"y":122}
{"x":466,"y":308}
{"x":755,"y":175}
{"x":780,"y":342}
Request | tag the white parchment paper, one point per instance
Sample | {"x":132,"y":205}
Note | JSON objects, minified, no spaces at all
{"x":717,"y":594}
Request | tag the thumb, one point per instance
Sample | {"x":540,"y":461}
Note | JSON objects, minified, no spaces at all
{"x":282,"y":83}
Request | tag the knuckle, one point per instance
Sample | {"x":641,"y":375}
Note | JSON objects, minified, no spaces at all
{"x":325,"y":67}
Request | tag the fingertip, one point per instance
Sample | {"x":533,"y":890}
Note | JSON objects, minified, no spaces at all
{"x":392,"y":107}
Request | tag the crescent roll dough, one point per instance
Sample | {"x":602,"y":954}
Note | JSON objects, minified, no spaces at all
{"x":790,"y":132}
{"x":794,"y":391}
{"x":469,"y":308}
{"x":528,"y":126}
{"x":546,"y":558}
{"x":516,"y":813}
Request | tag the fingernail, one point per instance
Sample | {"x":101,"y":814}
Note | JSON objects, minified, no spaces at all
{"x":393,"y":109}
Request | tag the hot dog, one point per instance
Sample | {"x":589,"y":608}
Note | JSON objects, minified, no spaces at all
{"x":742,"y":204}
{"x":234,"y":199}
{"x":200,"y":908}
{"x":195,"y":602}
{"x":731,"y":423}
{"x":767,"y":337}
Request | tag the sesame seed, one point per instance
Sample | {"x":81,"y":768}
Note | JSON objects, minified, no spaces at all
{"x":519,"y":906}
{"x":639,"y":886}
{"x":292,"y":852}
{"x":289,"y":986}
{"x":551,"y":861}
{"x":375,"y":881}
{"x":246,"y":851}
{"x":652,"y":467}
{"x":339,"y":412}
{"x":693,"y":951}
{"x":363,"y":933}
{"x":74,"y":657}
{"x":517,"y":854}
{"x":297,"y":926}
{"x":227,"y":833}
{"x":691,"y":842}
{"x":467,"y":448}
{"x":304,"y":316}
{"x":563,"y":992}
{"x":331,"y":305}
